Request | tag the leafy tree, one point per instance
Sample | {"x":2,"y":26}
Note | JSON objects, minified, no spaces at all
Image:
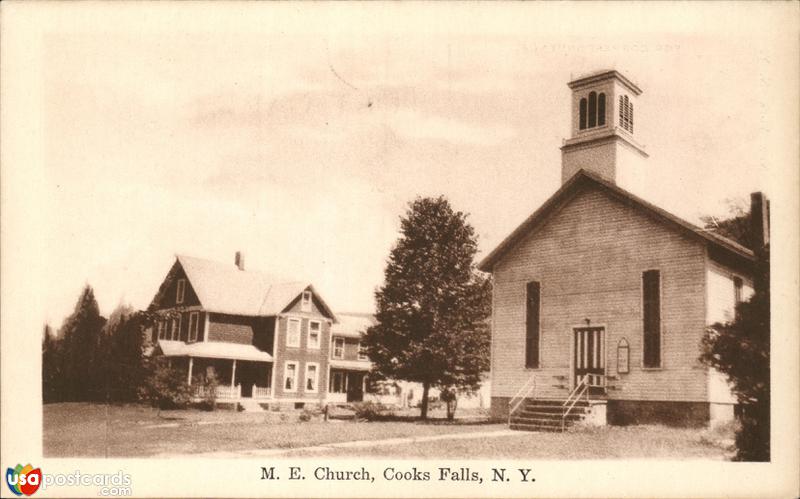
{"x":741,"y":350}
{"x":432,"y":310}
{"x":80,"y":335}
{"x":737,"y":226}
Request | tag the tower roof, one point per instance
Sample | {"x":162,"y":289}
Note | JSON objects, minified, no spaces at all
{"x":601,"y":75}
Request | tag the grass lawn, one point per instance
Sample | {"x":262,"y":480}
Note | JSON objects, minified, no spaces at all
{"x":84,"y":430}
{"x":87,"y":430}
{"x":610,"y":442}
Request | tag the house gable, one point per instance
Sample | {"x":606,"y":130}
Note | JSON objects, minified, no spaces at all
{"x":167,"y":294}
{"x":318,"y":306}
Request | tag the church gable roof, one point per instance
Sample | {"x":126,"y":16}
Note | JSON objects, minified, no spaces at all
{"x":583,"y":179}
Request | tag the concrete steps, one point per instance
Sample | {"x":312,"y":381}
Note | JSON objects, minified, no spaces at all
{"x":250,"y":405}
{"x":546,"y":415}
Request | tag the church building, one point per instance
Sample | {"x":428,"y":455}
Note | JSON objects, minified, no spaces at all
{"x":602,"y":297}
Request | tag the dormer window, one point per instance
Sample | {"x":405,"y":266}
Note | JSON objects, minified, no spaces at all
{"x":592,"y":111}
{"x":305,"y":303}
{"x":626,"y":113}
{"x":181,"y":291}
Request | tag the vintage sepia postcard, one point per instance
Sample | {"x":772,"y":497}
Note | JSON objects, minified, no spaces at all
{"x":399,"y":249}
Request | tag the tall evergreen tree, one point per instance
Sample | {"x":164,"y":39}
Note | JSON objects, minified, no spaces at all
{"x":81,"y":333}
{"x":52,"y":367}
{"x":432,"y":310}
{"x":125,"y":360}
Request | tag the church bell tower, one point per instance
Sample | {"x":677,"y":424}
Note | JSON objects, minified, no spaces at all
{"x":603,"y":128}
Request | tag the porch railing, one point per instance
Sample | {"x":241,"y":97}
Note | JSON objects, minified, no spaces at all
{"x":524,"y":392}
{"x":222,"y":391}
{"x":261,"y":392}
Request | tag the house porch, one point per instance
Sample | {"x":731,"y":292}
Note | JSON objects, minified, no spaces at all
{"x":236,"y":379}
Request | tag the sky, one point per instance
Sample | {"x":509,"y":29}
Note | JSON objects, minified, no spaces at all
{"x":300,"y":142}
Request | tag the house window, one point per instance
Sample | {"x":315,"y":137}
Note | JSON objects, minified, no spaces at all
{"x":162,"y":330}
{"x":737,"y":290}
{"x":181,"y":291}
{"x":293,"y":333}
{"x":532,"y":309}
{"x":312,"y":373}
{"x":362,"y":351}
{"x":337,"y":384}
{"x":338,"y":348}
{"x":194,"y":319}
{"x":175,"y":334}
{"x":290,"y":377}
{"x":651,"y":314}
{"x":314,"y":332}
{"x":305,"y":304}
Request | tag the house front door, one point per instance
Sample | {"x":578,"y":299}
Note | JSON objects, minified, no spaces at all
{"x":355,"y":387}
{"x":590,"y":354}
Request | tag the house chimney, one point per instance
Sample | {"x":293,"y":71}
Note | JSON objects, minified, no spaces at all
{"x":759,"y":214}
{"x":239,"y":260}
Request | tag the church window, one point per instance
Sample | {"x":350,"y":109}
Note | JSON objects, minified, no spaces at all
{"x":626,"y":113}
{"x":583,"y":114}
{"x":601,"y":109}
{"x":592,"y":111}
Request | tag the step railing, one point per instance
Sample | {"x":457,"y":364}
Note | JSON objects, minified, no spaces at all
{"x":581,"y":389}
{"x":523,"y":393}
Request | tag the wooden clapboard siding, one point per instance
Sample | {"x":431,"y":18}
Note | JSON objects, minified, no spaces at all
{"x":302,"y":355}
{"x":720,"y":300}
{"x":230,"y":329}
{"x":589,"y":258}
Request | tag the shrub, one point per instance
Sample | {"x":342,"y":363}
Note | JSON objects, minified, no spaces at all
{"x":209,"y":383}
{"x":369,"y":410}
{"x":165,"y":387}
{"x":305,"y":416}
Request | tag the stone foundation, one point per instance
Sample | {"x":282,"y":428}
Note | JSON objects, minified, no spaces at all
{"x":632,"y":412}
{"x":498,"y":411}
{"x":681,"y":414}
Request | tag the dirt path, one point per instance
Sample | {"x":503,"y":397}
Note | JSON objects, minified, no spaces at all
{"x":351,"y":444}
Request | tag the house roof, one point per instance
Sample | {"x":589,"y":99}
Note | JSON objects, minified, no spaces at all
{"x":213,"y":350}
{"x":223,"y":288}
{"x":352,"y":325}
{"x":584,"y":178}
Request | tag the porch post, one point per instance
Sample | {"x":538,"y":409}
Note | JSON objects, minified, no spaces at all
{"x":233,"y":373}
{"x":189,"y":375}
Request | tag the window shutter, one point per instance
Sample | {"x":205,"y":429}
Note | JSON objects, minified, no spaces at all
{"x":651,"y":301}
{"x":532,"y":325}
